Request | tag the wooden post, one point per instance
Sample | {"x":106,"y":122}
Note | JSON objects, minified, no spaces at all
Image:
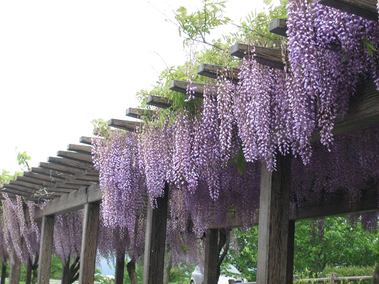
{"x":120,"y":267}
{"x":273,"y":222}
{"x":211,"y":257}
{"x":45,"y":249}
{"x":14,"y":273}
{"x":89,"y":243}
{"x":3,"y":271}
{"x":155,"y":241}
{"x":333,"y":277}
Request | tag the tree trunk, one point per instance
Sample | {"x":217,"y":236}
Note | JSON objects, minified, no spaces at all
{"x":375,"y":279}
{"x":3,"y":272}
{"x":167,"y":269}
{"x":120,"y":265}
{"x":66,"y":272}
{"x":131,"y":267}
{"x":35,"y":269}
{"x":29,"y":269}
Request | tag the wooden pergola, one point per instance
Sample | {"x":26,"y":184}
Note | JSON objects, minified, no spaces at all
{"x":71,"y":183}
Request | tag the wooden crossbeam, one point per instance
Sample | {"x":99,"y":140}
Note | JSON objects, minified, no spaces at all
{"x":181,"y":87}
{"x":125,"y":124}
{"x":61,"y":168}
{"x":364,"y":8}
{"x":44,"y":177}
{"x":51,"y":187}
{"x":80,"y":148}
{"x":159,"y":102}
{"x":213,"y":71}
{"x":279,"y":27}
{"x":89,"y":178}
{"x":267,"y":56}
{"x":139,"y":113}
{"x":36,"y":181}
{"x":53,"y":173}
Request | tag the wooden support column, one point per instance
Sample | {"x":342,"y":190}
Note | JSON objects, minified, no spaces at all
{"x":14,"y":273}
{"x":89,"y":243}
{"x":155,"y":241}
{"x":120,"y":267}
{"x":45,"y":249}
{"x":273,"y":222}
{"x":3,"y":272}
{"x":211,"y":257}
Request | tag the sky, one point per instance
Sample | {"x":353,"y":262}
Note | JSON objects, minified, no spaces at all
{"x":65,"y":63}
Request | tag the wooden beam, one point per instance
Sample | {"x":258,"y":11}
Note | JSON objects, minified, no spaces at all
{"x":89,"y":243}
{"x":60,"y":168}
{"x":127,"y":125}
{"x":36,"y":181}
{"x":139,"y":113}
{"x":80,"y":148}
{"x":279,"y":27}
{"x":86,"y":140}
{"x":45,"y":251}
{"x":155,"y":240}
{"x":44,"y":176}
{"x":267,"y":56}
{"x":213,"y":71}
{"x":364,"y":8}
{"x":70,"y":202}
{"x":159,"y":102}
{"x":273,"y":222}
{"x":53,"y":173}
{"x":93,"y":178}
{"x":181,"y":87}
{"x":75,"y":156}
{"x":211,"y":257}
{"x":71,"y":163}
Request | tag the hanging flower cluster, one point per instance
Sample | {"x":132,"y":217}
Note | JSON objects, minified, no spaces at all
{"x":20,"y":231}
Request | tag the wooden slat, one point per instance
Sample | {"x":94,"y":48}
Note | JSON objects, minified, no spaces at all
{"x":159,"y":102}
{"x":92,"y":178}
{"x":139,"y":113}
{"x":38,"y":182}
{"x":127,"y":125}
{"x":279,"y":27}
{"x":45,"y":177}
{"x":364,"y":8}
{"x":181,"y":87}
{"x":12,"y":191}
{"x":75,"y":156}
{"x":80,"y":148}
{"x":46,"y":248}
{"x":273,"y":222}
{"x":86,"y":140}
{"x":267,"y":56}
{"x":71,"y":163}
{"x":53,"y":173}
{"x":213,"y":71}
{"x":89,"y":243}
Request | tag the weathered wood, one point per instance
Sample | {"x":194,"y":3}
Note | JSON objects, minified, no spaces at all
{"x":38,"y":183}
{"x":279,"y":27}
{"x":120,"y":266}
{"x":159,"y":102}
{"x":61,"y":169}
{"x":213,"y":71}
{"x":273,"y":222}
{"x":70,"y":202}
{"x":125,"y":124}
{"x":75,"y":156}
{"x":211,"y":257}
{"x":155,"y":241}
{"x":53,"y":173}
{"x":86,"y":140}
{"x":89,"y":178}
{"x":3,"y":272}
{"x":46,"y":247}
{"x":267,"y":56}
{"x":44,"y":177}
{"x":14,"y":189}
{"x":15,"y":269}
{"x":80,"y":148}
{"x":89,"y":243}
{"x":181,"y":87}
{"x":364,"y":8}
{"x":71,"y":163}
{"x":139,"y":113}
